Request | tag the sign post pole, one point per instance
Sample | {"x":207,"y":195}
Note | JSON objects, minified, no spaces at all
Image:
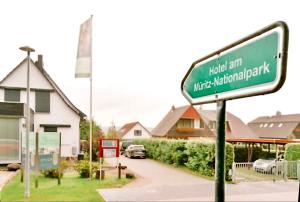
{"x":100,"y":169}
{"x":220,"y":152}
{"x":59,"y":161}
{"x":36,"y":160}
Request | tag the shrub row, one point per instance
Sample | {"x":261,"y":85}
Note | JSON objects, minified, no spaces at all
{"x":195,"y":155}
{"x":241,"y":154}
{"x":292,"y":152}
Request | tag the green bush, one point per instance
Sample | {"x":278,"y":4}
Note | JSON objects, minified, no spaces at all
{"x":53,"y":173}
{"x":170,"y":152}
{"x":83,"y":168}
{"x":292,"y":152}
{"x":195,"y":155}
{"x":201,"y":157}
{"x":229,"y":158}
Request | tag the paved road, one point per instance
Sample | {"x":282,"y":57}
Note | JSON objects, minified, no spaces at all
{"x":159,"y":182}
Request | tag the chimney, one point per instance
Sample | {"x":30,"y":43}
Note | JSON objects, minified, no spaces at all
{"x":173,"y":108}
{"x":278,"y":113}
{"x":39,"y":63}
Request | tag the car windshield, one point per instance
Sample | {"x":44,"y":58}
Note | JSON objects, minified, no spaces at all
{"x":138,"y":147}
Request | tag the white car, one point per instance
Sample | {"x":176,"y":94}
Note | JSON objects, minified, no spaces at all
{"x":267,"y":165}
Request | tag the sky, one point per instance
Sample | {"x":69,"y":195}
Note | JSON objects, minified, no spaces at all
{"x":143,"y":49}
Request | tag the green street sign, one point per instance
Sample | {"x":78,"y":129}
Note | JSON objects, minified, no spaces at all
{"x":252,"y":66}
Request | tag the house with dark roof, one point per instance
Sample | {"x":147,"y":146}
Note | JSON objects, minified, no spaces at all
{"x":234,"y":126}
{"x":134,"y":130}
{"x":277,"y":127}
{"x":51,"y":110}
{"x":188,"y":122}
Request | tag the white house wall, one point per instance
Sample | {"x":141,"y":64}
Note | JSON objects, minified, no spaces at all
{"x":19,"y":78}
{"x":130,"y":133}
{"x":1,"y":95}
{"x":60,"y":112}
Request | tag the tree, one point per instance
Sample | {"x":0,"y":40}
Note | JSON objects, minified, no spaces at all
{"x":85,"y":129}
{"x":85,"y":137}
{"x":112,"y":132}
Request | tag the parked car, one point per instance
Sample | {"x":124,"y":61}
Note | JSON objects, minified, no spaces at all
{"x":124,"y":145}
{"x":267,"y":165}
{"x":133,"y":151}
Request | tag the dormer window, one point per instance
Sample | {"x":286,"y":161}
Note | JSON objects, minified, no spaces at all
{"x":185,"y":123}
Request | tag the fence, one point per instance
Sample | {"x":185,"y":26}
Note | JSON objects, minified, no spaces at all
{"x":265,"y":171}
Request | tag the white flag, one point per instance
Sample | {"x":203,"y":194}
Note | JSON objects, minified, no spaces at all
{"x":84,"y":53}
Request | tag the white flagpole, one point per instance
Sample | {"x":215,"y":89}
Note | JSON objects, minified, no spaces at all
{"x":91,"y":103}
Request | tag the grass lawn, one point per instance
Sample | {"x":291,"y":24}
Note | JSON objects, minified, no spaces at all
{"x":72,"y":188}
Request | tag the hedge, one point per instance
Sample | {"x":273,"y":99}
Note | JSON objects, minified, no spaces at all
{"x":241,"y":154}
{"x":292,"y":152}
{"x":195,"y":155}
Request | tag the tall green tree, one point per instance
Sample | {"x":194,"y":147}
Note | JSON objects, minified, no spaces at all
{"x":85,"y":137}
{"x":85,"y":129}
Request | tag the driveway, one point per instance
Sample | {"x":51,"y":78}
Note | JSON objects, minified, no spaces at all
{"x":158,"y":182}
{"x":5,"y":177}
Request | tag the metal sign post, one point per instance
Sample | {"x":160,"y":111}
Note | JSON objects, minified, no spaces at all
{"x":100,"y":168}
{"x":59,"y":161}
{"x":36,"y":160}
{"x":299,"y":192}
{"x":220,"y":152}
{"x":254,"y":65}
{"x":27,"y":161}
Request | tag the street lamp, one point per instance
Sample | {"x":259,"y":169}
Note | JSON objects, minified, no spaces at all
{"x":27,"y":178}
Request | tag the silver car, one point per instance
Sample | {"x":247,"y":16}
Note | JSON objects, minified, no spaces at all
{"x":133,"y":151}
{"x":265,"y":165}
{"x":268,"y":165}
